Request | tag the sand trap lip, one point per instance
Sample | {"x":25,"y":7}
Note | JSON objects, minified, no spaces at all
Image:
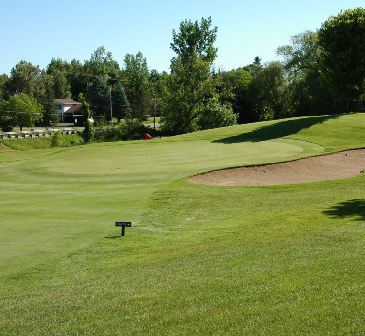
{"x":316,"y":168}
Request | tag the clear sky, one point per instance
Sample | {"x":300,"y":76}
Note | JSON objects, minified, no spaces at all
{"x":37,"y":30}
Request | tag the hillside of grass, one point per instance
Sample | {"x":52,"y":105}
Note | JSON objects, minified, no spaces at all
{"x":41,"y":143}
{"x":330,"y":131}
{"x":198,"y":260}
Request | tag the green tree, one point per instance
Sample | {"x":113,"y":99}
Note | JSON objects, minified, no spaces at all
{"x":59,"y":70}
{"x":190,"y":85}
{"x":195,"y":39}
{"x":62,"y":88}
{"x":102,"y":64}
{"x":309,"y":92}
{"x":268,"y":93}
{"x":47,"y":99}
{"x":20,"y":110}
{"x":137,"y":85}
{"x":214,"y":114}
{"x":24,"y":78}
{"x":88,"y":132}
{"x":7,"y":118}
{"x":4,"y":83}
{"x":97,"y":93}
{"x":302,"y":54}
{"x":238,"y":81}
{"x":121,"y":106}
{"x":260,"y":92}
{"x":158,"y":82}
{"x":342,"y":40}
{"x":102,"y":73}
{"x":78,"y":79}
{"x":70,"y":78}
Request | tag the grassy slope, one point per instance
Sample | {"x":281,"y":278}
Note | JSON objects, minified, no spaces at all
{"x":41,"y":143}
{"x":199,"y":260}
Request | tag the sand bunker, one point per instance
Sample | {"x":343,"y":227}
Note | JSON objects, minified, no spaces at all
{"x":318,"y":168}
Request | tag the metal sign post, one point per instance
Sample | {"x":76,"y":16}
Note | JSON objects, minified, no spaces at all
{"x":123,"y":225}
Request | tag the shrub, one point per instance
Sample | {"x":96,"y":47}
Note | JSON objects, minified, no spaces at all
{"x":89,"y":132}
{"x":60,"y":140}
{"x":56,"y":139}
{"x":131,"y":129}
{"x":214,"y":114}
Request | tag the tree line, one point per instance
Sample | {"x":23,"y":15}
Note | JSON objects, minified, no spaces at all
{"x":320,"y":72}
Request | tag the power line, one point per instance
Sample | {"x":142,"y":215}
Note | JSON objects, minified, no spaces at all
{"x":27,"y":112}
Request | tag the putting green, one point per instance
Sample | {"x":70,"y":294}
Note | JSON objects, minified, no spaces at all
{"x":160,"y":157}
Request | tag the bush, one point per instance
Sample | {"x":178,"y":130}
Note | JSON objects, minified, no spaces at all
{"x":56,"y":139}
{"x":60,"y":140}
{"x":89,"y":132}
{"x":214,"y":114}
{"x":130,"y":129}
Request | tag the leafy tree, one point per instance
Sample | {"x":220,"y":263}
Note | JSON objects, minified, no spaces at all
{"x":302,"y":55}
{"x":78,"y":78}
{"x":190,"y":84}
{"x":7,"y":117}
{"x":186,"y":92}
{"x":260,"y":92}
{"x":20,"y":110}
{"x":308,"y":90}
{"x":194,"y":39}
{"x":214,"y":114}
{"x":61,"y":86}
{"x":268,"y":93}
{"x":4,"y":83}
{"x":97,"y":93}
{"x":102,"y":73}
{"x":137,"y":85}
{"x":47,"y":99}
{"x":59,"y":70}
{"x":24,"y":78}
{"x":342,"y":39}
{"x":239,"y":81}
{"x":101,"y":63}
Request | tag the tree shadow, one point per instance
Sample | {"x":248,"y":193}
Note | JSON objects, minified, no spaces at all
{"x":278,"y":130}
{"x":352,"y":208}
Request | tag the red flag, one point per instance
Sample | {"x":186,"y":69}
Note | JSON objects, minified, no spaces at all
{"x":147,"y":136}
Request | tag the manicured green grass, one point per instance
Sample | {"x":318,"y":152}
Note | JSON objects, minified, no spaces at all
{"x":199,"y":260}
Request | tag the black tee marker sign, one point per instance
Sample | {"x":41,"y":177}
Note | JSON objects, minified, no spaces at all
{"x":123,"y":225}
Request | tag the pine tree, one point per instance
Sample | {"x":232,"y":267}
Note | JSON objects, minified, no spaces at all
{"x":121,"y":106}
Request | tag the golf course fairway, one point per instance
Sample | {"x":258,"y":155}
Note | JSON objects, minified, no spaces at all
{"x":198,"y":259}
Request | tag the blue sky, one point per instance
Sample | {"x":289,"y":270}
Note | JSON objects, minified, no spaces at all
{"x":38,"y":30}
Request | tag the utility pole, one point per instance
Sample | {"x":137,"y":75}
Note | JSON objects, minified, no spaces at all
{"x":111,"y":105}
{"x":154,"y":113}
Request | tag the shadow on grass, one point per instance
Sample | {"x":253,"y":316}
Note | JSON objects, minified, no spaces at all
{"x":354,"y":208}
{"x":277,"y":130}
{"x":113,"y":237}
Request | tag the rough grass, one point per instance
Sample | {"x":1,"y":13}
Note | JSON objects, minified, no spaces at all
{"x":199,"y":260}
{"x":41,"y":143}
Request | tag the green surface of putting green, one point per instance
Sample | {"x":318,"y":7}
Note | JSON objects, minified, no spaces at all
{"x":199,"y":260}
